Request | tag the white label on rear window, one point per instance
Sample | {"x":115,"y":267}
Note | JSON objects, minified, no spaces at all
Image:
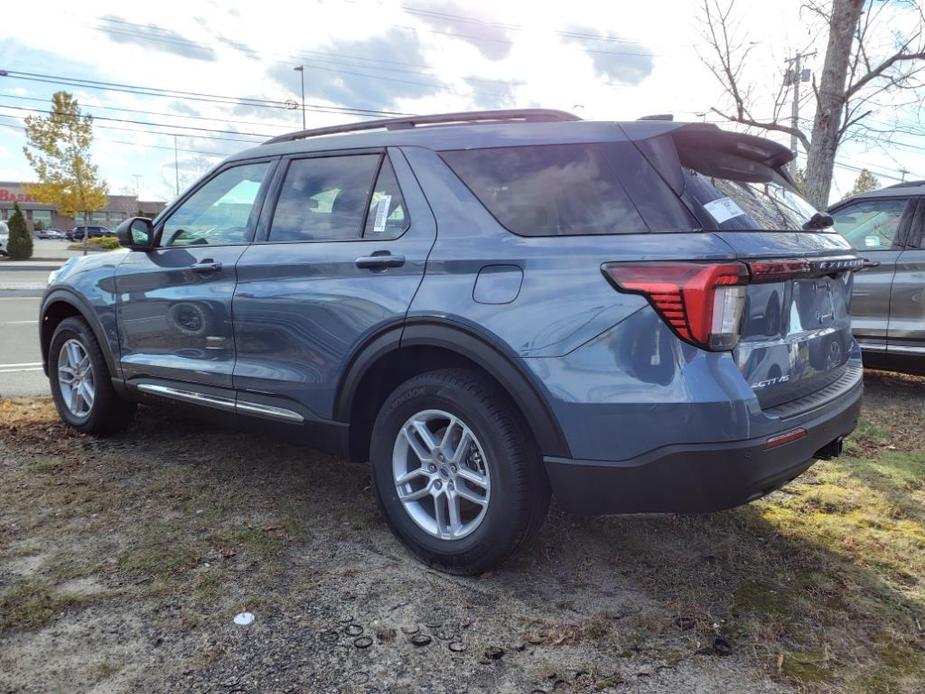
{"x":382,"y":212}
{"x":871,"y":241}
{"x":723,"y":209}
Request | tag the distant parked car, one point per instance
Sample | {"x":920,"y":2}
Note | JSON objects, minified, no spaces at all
{"x":93,"y":232}
{"x":887,"y":227}
{"x":4,"y":237}
{"x":49,"y":234}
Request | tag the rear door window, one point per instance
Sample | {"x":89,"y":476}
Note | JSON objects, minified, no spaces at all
{"x":387,"y":217}
{"x":871,"y":225}
{"x":551,"y":190}
{"x":324,"y":198}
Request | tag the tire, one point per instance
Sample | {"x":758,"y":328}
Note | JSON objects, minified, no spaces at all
{"x":107,"y":413}
{"x":500,"y":453}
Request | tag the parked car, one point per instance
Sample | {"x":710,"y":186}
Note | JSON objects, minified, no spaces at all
{"x":888,"y":228}
{"x":49,"y":234}
{"x":492,"y":308}
{"x":93,"y":232}
{"x":4,"y":236}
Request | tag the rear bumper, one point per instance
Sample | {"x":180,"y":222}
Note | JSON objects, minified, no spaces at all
{"x":698,"y":477}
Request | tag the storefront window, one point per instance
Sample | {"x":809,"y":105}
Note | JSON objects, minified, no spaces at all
{"x":41,"y":218}
{"x":98,"y":218}
{"x":116,"y":217}
{"x":79,"y":219}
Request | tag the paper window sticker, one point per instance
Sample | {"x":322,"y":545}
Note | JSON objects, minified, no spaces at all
{"x":723,"y":209}
{"x":382,"y":212}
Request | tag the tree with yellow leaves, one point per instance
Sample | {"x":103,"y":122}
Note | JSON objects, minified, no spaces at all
{"x":58,"y":148}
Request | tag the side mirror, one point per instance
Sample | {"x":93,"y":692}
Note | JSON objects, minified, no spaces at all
{"x":136,"y":233}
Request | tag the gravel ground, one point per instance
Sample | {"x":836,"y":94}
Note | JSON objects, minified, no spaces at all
{"x":124,"y":561}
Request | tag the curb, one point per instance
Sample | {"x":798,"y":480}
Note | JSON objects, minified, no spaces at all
{"x":22,"y":293}
{"x":38,"y":267}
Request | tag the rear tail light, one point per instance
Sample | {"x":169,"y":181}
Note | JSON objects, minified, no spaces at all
{"x":702,"y":302}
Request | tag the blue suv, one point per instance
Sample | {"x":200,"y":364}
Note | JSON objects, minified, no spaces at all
{"x":492,"y":308}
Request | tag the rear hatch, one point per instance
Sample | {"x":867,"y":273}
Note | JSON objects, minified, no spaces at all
{"x":796,"y":331}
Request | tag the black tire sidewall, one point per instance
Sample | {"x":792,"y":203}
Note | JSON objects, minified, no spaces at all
{"x":506,"y":501}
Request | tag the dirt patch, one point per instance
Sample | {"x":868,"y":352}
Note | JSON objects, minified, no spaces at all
{"x":124,"y":561}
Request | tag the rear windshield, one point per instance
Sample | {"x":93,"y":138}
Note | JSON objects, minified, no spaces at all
{"x":551,"y":190}
{"x":742,"y":194}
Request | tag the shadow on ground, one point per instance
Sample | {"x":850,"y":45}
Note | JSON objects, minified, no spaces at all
{"x":124,"y":561}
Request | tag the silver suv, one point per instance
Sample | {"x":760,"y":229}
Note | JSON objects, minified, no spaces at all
{"x":888,"y":228}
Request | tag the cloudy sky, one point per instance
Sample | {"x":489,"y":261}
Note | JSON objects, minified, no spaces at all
{"x":213,"y":77}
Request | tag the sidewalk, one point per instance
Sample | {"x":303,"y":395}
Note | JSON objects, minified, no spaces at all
{"x":34,"y":264}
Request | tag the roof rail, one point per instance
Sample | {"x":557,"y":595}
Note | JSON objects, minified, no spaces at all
{"x":519,"y":114}
{"x":905,"y":184}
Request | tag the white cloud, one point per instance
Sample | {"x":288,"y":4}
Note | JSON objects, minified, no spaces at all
{"x":239,"y":49}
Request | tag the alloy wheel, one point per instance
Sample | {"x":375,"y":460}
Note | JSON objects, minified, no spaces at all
{"x":441,"y":474}
{"x":75,"y":378}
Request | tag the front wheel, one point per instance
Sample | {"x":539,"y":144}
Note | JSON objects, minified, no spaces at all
{"x":80,"y":381}
{"x":456,"y":474}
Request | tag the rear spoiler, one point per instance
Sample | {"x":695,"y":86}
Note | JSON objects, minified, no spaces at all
{"x":666,"y":150}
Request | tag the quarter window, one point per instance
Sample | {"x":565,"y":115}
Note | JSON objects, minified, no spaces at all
{"x":550,"y":190}
{"x":220,"y":212}
{"x":870,"y":225}
{"x":386,"y":218}
{"x":325,"y":199}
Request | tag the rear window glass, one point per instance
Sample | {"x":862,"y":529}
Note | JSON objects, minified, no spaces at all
{"x":742,"y":194}
{"x":550,"y":190}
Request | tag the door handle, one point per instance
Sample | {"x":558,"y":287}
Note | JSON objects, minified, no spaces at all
{"x":207,"y":266}
{"x":870,"y":263}
{"x":380,"y":260}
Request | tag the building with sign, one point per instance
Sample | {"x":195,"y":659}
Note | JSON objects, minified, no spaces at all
{"x":40,"y":215}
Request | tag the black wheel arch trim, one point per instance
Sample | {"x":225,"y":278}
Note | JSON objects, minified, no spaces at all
{"x":459,"y":336}
{"x":67,"y":296}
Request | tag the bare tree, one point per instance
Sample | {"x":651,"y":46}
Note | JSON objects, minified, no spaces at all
{"x":857,"y":76}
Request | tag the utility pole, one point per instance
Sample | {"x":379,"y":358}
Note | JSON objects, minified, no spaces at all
{"x":301,"y":70}
{"x":176,"y":166}
{"x":137,"y":178}
{"x":792,"y":78}
{"x":903,"y":172}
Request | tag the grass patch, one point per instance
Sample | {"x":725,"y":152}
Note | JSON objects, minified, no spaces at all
{"x":32,"y":604}
{"x":807,"y":668}
{"x":823,"y":584}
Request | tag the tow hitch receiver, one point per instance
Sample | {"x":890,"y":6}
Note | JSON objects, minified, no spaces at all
{"x":831,"y":450}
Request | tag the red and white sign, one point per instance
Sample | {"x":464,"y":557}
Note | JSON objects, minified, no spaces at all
{"x":7,"y":195}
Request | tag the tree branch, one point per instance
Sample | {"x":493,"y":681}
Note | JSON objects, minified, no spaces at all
{"x":777,"y":127}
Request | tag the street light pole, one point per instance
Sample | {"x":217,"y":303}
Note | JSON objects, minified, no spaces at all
{"x":176,"y":167}
{"x":301,"y":70}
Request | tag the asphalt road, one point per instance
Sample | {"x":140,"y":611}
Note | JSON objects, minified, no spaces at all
{"x":20,"y":358}
{"x":21,"y":287}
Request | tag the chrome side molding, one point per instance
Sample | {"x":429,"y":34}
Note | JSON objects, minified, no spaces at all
{"x":261,"y":410}
{"x":188,"y":396}
{"x":222,"y":403}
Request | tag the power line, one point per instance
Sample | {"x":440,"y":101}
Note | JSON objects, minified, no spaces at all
{"x":154,"y":113}
{"x":125,"y":142}
{"x":193,"y":96}
{"x":322,"y":64}
{"x":158,"y":125}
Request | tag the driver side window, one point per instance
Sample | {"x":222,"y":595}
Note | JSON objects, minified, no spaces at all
{"x":871,"y":225}
{"x":220,"y":212}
